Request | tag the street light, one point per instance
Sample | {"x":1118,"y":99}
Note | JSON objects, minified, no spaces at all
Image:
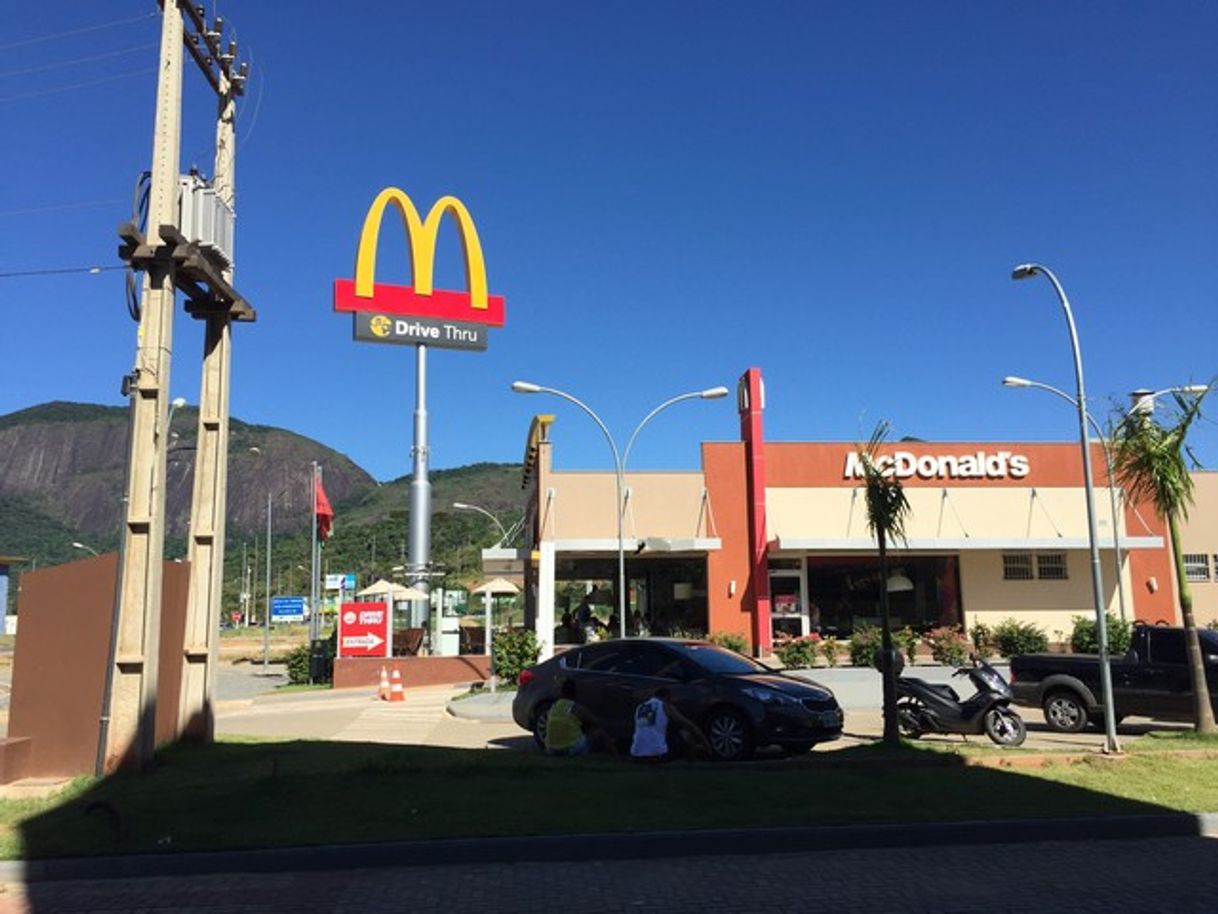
{"x":1142,"y":404}
{"x":1143,"y":401}
{"x":619,"y":465}
{"x":1012,"y":381}
{"x":462,"y":506}
{"x":88,"y":549}
{"x":1025,"y":271}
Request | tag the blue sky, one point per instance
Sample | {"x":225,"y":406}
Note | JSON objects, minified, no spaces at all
{"x":667,"y":193}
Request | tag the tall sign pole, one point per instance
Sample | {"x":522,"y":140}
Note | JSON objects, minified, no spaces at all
{"x":130,"y":724}
{"x":424,"y":317}
{"x":419,"y":535}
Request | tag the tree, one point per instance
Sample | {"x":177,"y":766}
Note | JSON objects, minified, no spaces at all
{"x":1150,"y":464}
{"x":887,"y":509}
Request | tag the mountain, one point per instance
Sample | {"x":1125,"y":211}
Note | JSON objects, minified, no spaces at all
{"x":62,"y":480}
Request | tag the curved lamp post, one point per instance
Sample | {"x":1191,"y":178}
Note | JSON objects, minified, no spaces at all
{"x":1143,"y":402}
{"x":462,"y":506}
{"x":1026,"y":271}
{"x":88,"y":549}
{"x":619,"y":464}
{"x":1012,"y":381}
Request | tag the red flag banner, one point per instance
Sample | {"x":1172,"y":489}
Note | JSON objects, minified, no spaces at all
{"x":325,"y":514}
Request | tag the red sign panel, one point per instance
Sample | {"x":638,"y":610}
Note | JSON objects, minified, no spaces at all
{"x":363,"y":630}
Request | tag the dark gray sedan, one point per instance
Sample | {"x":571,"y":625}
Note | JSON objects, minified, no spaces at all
{"x":740,"y":704}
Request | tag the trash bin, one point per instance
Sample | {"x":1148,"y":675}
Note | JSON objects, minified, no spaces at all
{"x":319,"y":662}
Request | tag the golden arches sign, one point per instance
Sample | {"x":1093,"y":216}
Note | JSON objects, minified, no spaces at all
{"x":422,"y":299}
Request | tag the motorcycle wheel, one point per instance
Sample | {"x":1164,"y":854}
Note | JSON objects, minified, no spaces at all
{"x":1005,"y":727}
{"x":908,"y":720}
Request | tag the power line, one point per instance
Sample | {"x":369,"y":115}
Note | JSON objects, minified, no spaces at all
{"x":55,"y":207}
{"x":60,"y":271}
{"x":92,"y":82}
{"x":78,"y":60}
{"x":80,"y":31}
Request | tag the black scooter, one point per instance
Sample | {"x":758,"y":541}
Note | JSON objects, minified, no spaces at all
{"x":925,"y":707}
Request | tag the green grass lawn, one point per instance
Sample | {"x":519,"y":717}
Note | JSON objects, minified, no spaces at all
{"x":266,"y":794}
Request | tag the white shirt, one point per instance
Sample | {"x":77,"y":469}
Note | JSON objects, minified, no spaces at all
{"x":650,"y":730}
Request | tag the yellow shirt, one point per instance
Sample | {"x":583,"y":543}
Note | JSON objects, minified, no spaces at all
{"x":563,"y":729}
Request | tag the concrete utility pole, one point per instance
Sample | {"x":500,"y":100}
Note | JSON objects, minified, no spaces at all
{"x":129,"y":724}
{"x":171,"y":260}
{"x":196,"y":719}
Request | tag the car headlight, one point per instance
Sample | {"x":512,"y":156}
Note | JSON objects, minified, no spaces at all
{"x":767,"y":696}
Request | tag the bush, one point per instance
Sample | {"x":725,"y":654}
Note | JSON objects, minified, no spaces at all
{"x":298,"y":664}
{"x":865,"y":645}
{"x":832,"y":649}
{"x":297,"y":661}
{"x":731,"y":640}
{"x":948,"y":645}
{"x":983,"y":640}
{"x":514,"y":649}
{"x":906,"y":641}
{"x":1013,"y":637}
{"x":798,"y":653}
{"x":1083,"y":639}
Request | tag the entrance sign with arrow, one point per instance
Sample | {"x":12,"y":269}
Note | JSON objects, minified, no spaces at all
{"x":363,"y":630}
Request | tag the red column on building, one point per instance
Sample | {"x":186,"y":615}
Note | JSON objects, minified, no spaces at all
{"x":751,"y":403}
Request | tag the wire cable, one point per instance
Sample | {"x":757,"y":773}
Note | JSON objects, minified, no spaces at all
{"x":56,"y":207}
{"x":55,"y":272}
{"x":92,"y":82}
{"x":80,"y":31}
{"x":77,"y":60}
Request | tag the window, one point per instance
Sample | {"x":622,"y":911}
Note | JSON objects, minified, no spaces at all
{"x":1051,"y":566}
{"x":1196,"y":567}
{"x":1167,"y":646}
{"x":1017,"y":566}
{"x":602,"y":658}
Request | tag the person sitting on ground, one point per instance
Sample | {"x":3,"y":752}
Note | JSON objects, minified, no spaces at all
{"x":651,"y":722}
{"x":570,"y":729}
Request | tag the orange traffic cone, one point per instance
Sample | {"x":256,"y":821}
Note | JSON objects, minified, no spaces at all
{"x":383,"y":692}
{"x":395,"y":691}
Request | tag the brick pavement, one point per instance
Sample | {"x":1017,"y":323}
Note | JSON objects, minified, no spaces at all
{"x":1179,"y":875}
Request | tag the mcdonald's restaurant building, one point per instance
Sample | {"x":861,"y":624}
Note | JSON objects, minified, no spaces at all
{"x":770,"y":539}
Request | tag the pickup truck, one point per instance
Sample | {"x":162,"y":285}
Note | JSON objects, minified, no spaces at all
{"x":1150,"y":680}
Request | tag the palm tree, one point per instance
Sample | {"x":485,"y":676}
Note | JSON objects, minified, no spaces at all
{"x":887,"y":508}
{"x":1150,"y":463}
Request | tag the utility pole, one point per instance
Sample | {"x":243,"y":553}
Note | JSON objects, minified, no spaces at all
{"x":170,"y":260}
{"x":196,"y":718}
{"x":129,"y":724}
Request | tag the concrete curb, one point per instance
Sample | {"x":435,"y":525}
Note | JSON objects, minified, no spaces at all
{"x":484,"y":708}
{"x":619,"y":846}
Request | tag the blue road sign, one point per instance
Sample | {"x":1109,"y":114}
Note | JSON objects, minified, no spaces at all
{"x":288,"y":609}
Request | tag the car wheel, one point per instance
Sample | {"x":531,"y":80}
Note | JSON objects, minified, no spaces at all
{"x":729,"y":735}
{"x":541,"y":717}
{"x":1064,"y":712}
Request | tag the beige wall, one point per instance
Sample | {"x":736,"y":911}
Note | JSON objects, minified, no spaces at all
{"x":1200,"y":534}
{"x":660,"y":505}
{"x":979,"y":513}
{"x":1052,"y":605}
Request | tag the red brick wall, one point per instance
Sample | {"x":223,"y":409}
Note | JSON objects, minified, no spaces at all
{"x":363,"y":672}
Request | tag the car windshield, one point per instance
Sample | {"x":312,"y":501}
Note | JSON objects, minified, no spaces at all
{"x":715,"y":659}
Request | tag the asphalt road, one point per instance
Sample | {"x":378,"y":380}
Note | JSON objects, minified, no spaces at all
{"x":1179,"y":875}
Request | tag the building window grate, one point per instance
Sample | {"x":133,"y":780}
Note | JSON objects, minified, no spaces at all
{"x":1196,"y":567}
{"x":1017,"y":566}
{"x":1051,"y":566}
